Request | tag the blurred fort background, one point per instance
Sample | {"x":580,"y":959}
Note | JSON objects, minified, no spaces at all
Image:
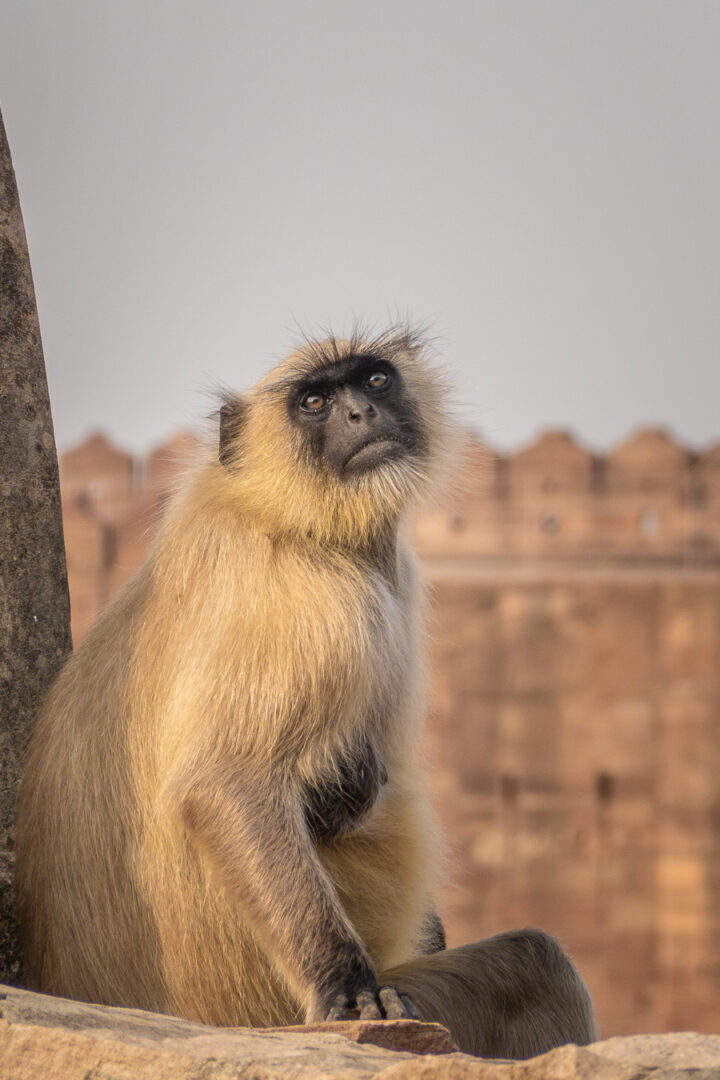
{"x":574,"y":723}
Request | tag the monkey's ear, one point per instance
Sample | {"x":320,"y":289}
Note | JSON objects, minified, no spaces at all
{"x":232,"y":417}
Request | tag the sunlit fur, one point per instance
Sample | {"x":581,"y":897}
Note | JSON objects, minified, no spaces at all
{"x":162,"y":855}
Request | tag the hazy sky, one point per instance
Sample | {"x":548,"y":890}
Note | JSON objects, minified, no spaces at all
{"x":537,"y":180}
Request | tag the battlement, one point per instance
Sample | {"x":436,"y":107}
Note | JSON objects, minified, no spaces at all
{"x":650,"y":498}
{"x":112,"y":503}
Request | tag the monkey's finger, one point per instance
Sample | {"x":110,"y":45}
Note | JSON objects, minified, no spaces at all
{"x":337,"y":1009}
{"x":368,"y":1006}
{"x":392,"y":1004}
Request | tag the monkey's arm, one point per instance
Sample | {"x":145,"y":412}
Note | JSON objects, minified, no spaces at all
{"x":256,"y":838}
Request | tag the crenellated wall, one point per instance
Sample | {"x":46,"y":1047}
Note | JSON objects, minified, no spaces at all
{"x":648,"y":499}
{"x":575,"y":713}
{"x":111,"y":507}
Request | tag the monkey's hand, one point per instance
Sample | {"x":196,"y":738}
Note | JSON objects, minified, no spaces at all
{"x":368,"y":1004}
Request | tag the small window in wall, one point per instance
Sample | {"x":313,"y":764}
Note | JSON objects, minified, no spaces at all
{"x":509,"y":787}
{"x":604,"y":787}
{"x":701,"y":544}
{"x":649,"y":523}
{"x":698,"y":496}
{"x":598,"y":474}
{"x":550,"y":522}
{"x":502,"y":479}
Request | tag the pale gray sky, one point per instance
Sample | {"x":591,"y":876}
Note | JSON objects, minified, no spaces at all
{"x":538,"y":180}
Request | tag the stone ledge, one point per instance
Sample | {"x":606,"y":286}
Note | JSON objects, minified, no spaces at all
{"x":67,"y":1040}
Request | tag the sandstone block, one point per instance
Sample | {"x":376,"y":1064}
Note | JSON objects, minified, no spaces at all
{"x":67,"y":1040}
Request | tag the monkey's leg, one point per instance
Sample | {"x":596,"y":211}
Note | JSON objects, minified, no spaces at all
{"x":514,"y":995}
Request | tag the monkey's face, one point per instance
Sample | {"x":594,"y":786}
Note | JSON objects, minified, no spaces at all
{"x":340,"y":438}
{"x":355,"y":415}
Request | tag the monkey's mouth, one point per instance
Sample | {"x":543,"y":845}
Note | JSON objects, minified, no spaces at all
{"x":373,"y":453}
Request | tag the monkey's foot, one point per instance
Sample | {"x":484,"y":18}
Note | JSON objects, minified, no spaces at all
{"x":383,"y":1004}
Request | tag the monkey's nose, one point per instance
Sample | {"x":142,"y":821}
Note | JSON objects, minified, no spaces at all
{"x":356,"y":413}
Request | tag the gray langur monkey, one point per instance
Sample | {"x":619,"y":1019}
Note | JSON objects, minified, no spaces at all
{"x":223,"y":816}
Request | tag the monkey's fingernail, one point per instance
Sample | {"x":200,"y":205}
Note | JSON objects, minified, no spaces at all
{"x":338,"y":1009}
{"x":410,"y":1007}
{"x":394,"y":1008}
{"x":367,"y":1005}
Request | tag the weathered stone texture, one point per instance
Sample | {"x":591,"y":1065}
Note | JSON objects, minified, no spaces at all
{"x":649,"y":500}
{"x":575,"y":745}
{"x":46,"y":1036}
{"x":34,"y":605}
{"x":111,"y":507}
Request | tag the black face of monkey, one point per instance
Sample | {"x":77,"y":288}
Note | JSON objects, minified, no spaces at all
{"x":355,"y":414}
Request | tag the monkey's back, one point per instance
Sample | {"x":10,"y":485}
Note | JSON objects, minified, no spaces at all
{"x":86,"y":926}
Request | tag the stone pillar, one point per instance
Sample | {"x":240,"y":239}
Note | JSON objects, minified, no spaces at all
{"x":34,"y":603}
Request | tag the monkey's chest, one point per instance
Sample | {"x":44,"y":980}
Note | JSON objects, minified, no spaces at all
{"x":337,"y":801}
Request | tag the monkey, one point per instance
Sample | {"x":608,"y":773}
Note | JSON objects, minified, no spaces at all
{"x":224,"y":815}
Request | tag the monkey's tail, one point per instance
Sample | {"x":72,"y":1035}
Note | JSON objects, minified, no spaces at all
{"x":514,"y":995}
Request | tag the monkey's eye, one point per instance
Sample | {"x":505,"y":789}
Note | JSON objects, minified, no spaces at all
{"x":313,"y":402}
{"x":379,"y":380}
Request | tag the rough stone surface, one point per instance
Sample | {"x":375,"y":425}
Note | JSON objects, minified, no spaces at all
{"x":34,"y":604}
{"x":680,"y":1050}
{"x":392,"y":1034}
{"x":47,"y":1036}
